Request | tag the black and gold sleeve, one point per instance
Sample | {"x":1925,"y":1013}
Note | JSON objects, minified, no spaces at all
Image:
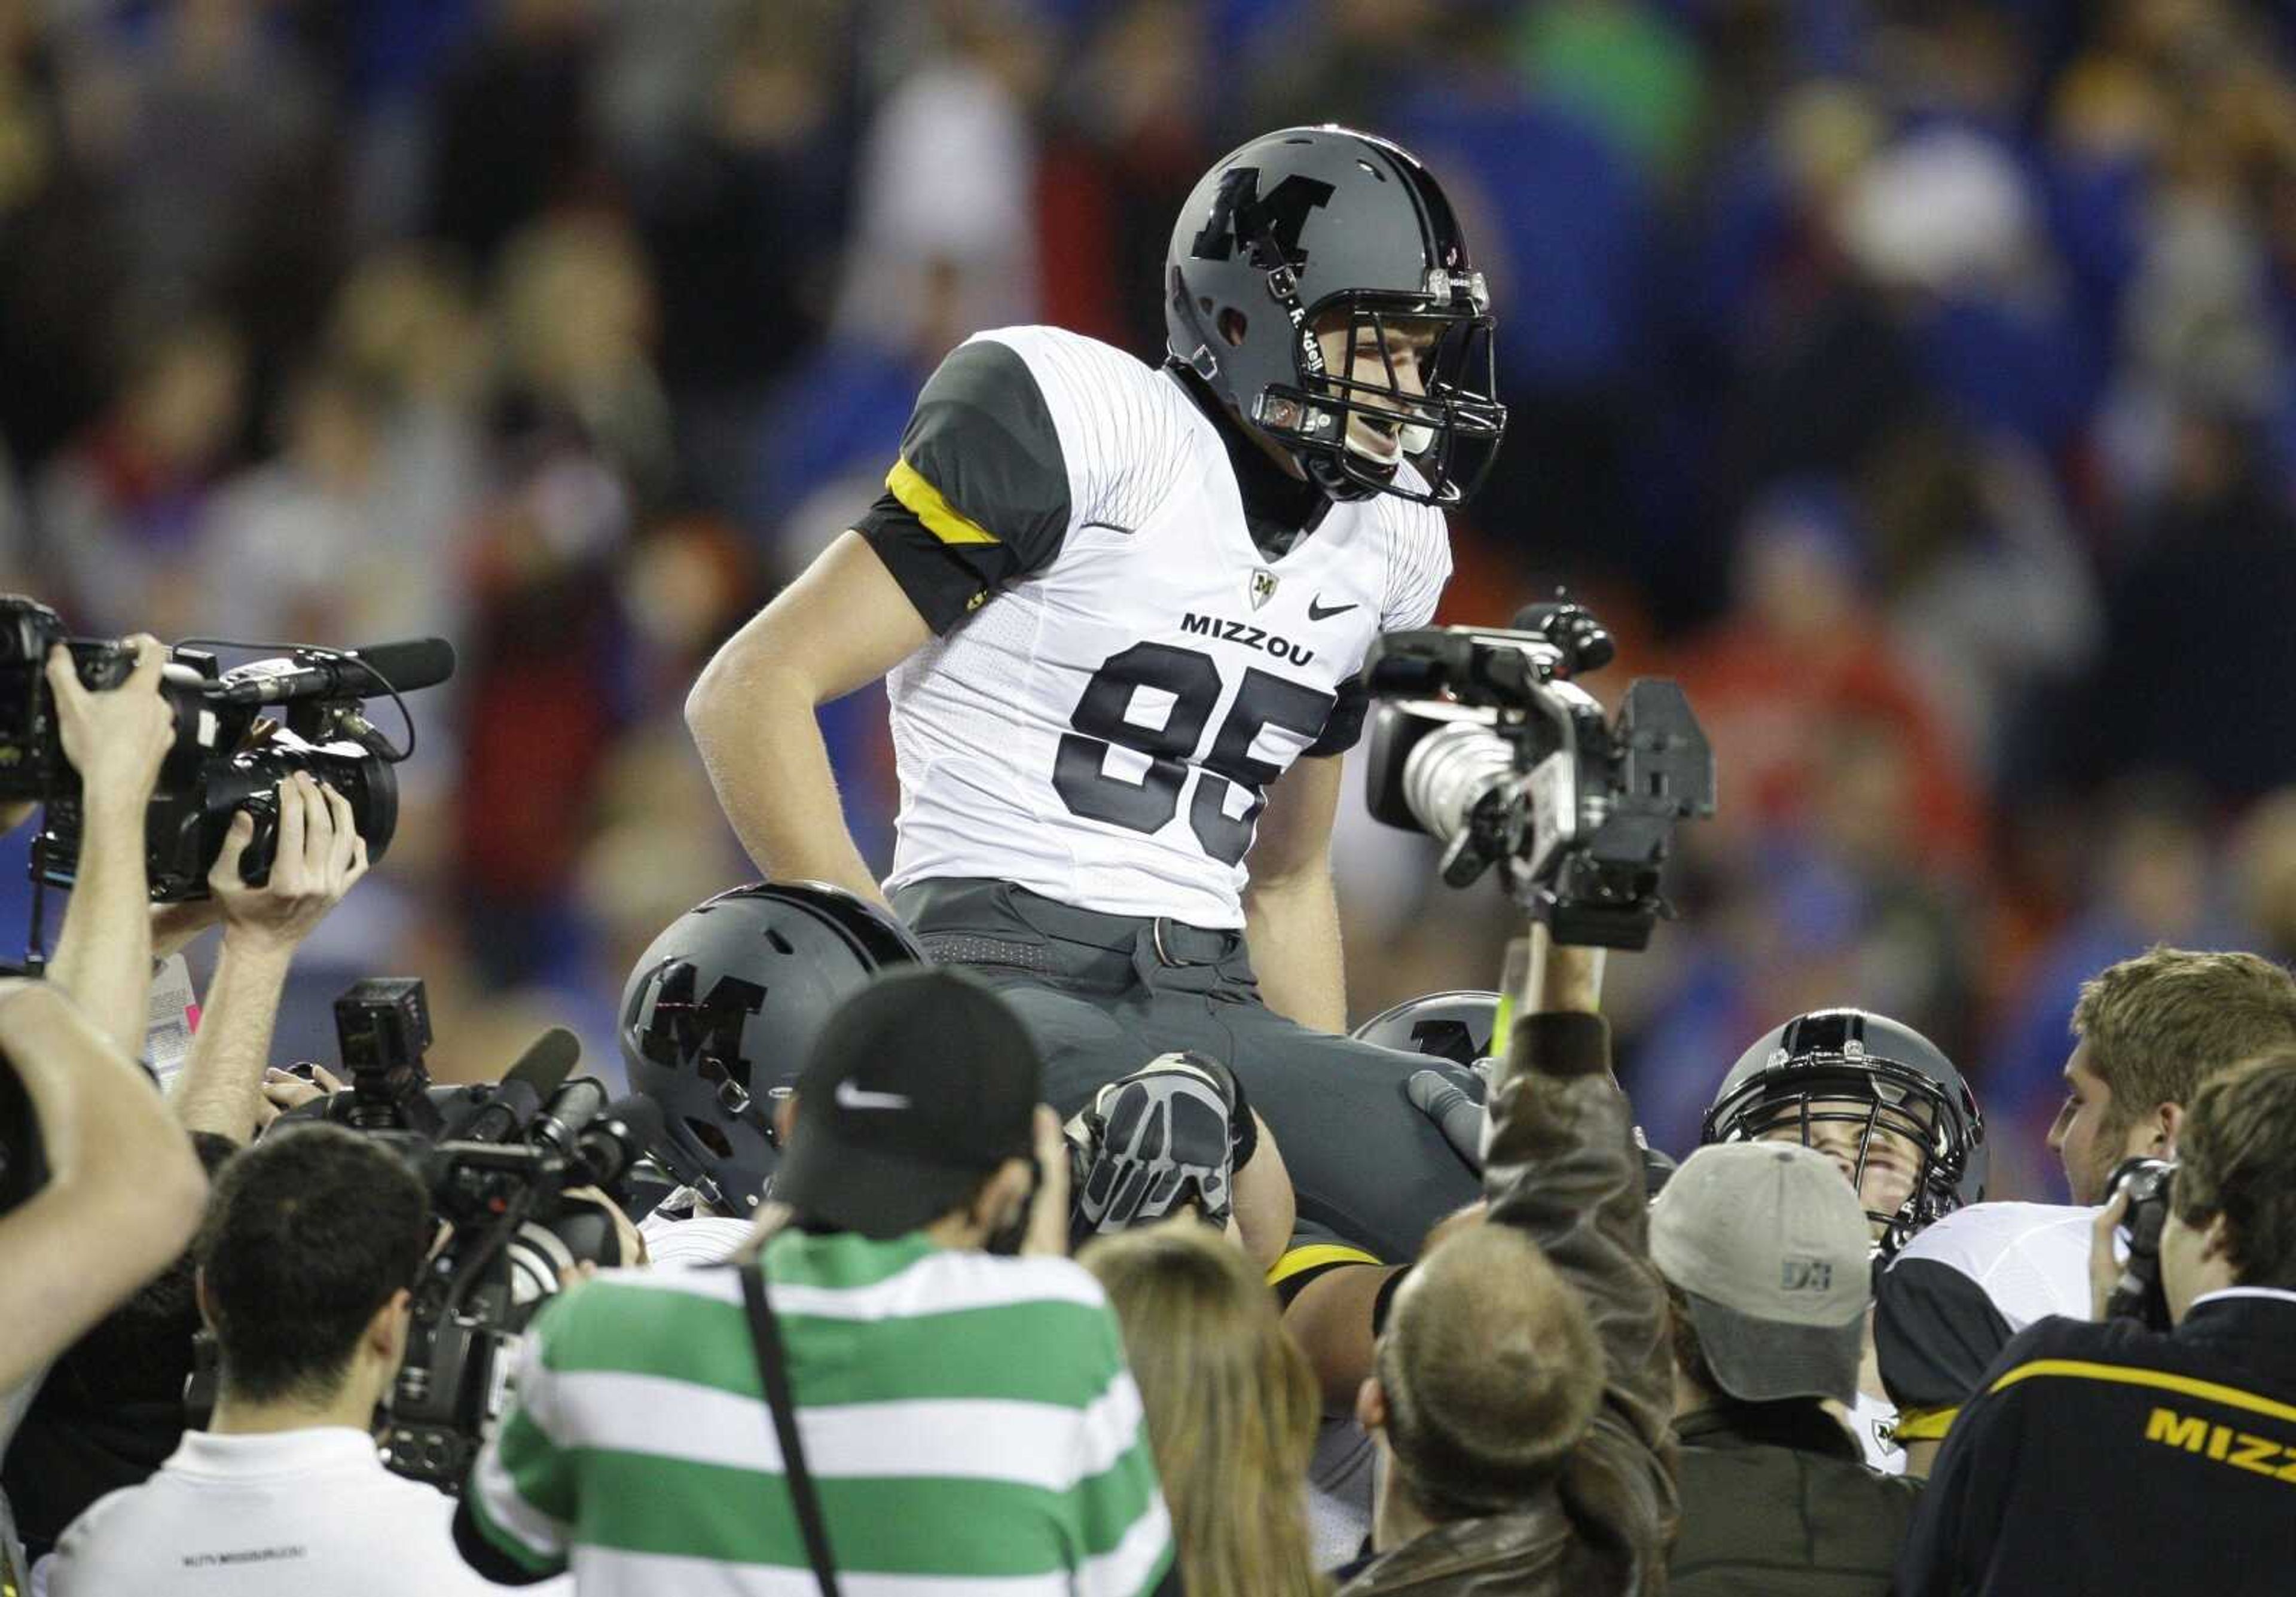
{"x":1935,"y":1334}
{"x":978,"y":496}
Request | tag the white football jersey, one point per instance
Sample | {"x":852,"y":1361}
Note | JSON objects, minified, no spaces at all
{"x":1958,"y":1291}
{"x":2028,"y":1259}
{"x":1101,"y":729}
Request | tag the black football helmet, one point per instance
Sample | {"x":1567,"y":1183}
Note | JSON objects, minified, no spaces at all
{"x":1457,"y":1026}
{"x":1869,"y":1072}
{"x":1308,"y":225}
{"x":721,"y":1011}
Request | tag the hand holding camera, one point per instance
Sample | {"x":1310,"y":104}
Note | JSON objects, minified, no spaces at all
{"x":2140,"y":1192}
{"x":320,"y":857}
{"x":116,"y":737}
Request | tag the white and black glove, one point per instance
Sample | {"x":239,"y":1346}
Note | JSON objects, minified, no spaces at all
{"x":1159,"y":1140}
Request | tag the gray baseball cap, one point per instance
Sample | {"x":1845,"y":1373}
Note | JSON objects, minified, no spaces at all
{"x":1771,"y":1247}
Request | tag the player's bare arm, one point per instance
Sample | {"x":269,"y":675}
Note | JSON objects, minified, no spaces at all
{"x":1291,"y":910}
{"x":840,"y":625}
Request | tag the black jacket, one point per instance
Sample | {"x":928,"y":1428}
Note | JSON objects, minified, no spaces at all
{"x":2109,"y":1458}
{"x":1777,"y":1502}
{"x":1564,"y":1167}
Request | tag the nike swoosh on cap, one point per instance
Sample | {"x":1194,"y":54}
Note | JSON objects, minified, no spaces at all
{"x":1318,"y":611}
{"x":849,"y":1096}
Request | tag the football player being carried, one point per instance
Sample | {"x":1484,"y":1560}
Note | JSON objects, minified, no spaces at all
{"x":1123,"y":610}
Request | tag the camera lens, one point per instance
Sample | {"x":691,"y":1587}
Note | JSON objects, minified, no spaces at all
{"x":1449,"y":770}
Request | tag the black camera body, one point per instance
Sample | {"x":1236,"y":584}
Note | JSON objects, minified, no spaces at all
{"x":497,"y":1160}
{"x":32,"y":762}
{"x":514,"y":1232}
{"x":2139,"y":1294}
{"x":383,"y":1030}
{"x":312,"y":707}
{"x":1483,"y":741}
{"x":463,"y":1339}
{"x":33,"y":765}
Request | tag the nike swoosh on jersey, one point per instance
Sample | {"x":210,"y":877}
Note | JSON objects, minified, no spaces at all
{"x":1316,"y":611}
{"x":849,"y":1096}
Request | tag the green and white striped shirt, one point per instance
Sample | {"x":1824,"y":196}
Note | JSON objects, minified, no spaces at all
{"x":968,"y":1420}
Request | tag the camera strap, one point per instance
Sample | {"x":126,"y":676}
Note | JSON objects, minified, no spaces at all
{"x":773,"y":1370}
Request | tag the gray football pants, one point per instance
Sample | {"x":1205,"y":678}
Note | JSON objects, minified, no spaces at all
{"x":1102,"y":995}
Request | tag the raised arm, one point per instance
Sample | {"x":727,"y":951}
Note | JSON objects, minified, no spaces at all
{"x":321,"y":855}
{"x":1561,"y":1166}
{"x":117,"y":740}
{"x":840,"y":625}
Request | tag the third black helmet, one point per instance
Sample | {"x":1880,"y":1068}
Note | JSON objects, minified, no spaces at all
{"x":1836,"y":1079}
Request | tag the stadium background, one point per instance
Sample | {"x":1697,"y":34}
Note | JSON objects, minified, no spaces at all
{"x":1913,"y":379}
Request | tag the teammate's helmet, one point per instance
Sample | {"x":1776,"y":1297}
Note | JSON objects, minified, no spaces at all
{"x":1455,"y":1026}
{"x":1311,"y":224}
{"x":1846,"y":1067}
{"x":721,"y":1011}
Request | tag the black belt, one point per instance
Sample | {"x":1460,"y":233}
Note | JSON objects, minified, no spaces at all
{"x":1175,"y":944}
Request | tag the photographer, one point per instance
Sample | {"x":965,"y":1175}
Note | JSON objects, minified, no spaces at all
{"x":2148,"y":1031}
{"x":939,"y":1413}
{"x":1523,"y":1390}
{"x":123,"y":1189}
{"x":2109,"y":1457}
{"x":304,"y":1264}
{"x":111,"y":1411}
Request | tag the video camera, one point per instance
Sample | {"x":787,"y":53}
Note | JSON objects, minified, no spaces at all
{"x":497,"y":1161}
{"x":1484,"y":742}
{"x":2138,"y":1295}
{"x":222,"y":762}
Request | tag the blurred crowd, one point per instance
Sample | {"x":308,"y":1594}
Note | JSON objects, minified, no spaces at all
{"x":1910,"y":377}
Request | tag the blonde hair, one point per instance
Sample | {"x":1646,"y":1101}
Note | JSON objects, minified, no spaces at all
{"x":1232,"y":1405}
{"x":2159,"y":1025}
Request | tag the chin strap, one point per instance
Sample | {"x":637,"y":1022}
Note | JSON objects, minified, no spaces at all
{"x":1283,"y":286}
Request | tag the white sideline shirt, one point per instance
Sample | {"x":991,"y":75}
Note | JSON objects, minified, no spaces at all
{"x":292,"y":1513}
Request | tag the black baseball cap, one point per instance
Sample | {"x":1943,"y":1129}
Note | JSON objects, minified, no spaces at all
{"x":919,"y":1086}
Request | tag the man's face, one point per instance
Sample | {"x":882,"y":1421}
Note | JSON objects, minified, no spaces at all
{"x":1837,"y":1126}
{"x":1361,"y":352}
{"x":2088,"y":1135}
